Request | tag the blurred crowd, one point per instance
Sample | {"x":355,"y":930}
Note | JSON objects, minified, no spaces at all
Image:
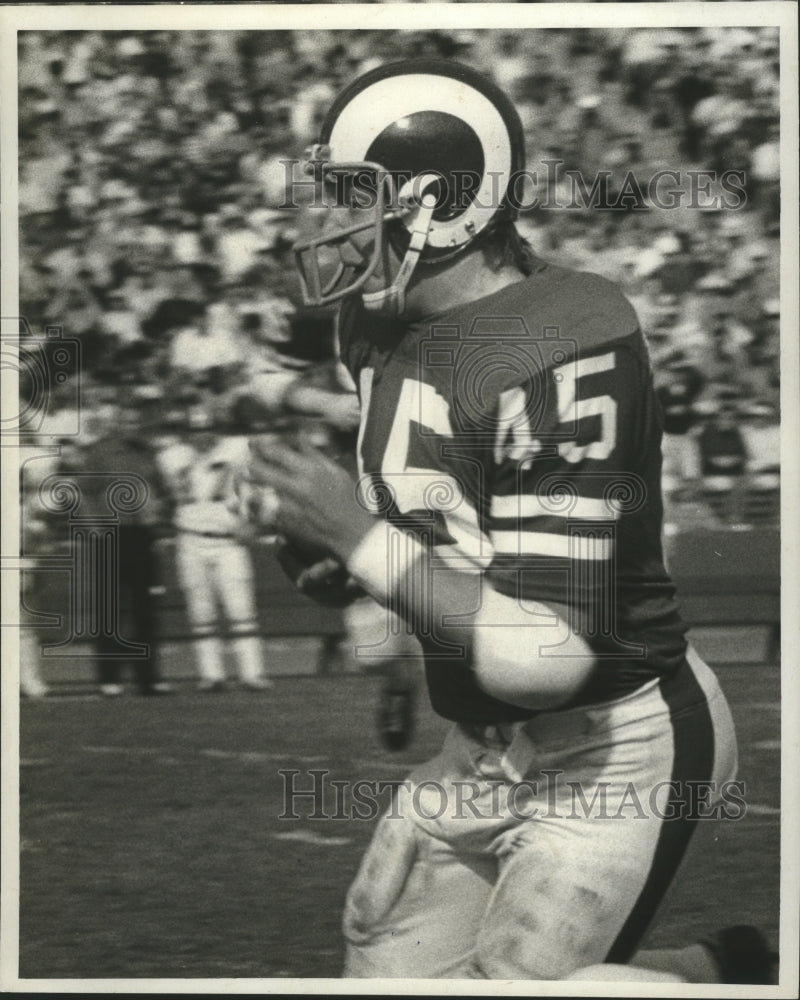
{"x":151,"y":228}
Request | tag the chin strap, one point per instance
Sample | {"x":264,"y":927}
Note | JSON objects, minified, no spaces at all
{"x":393,"y":298}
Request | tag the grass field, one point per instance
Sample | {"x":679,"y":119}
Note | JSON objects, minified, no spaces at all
{"x":151,"y":843}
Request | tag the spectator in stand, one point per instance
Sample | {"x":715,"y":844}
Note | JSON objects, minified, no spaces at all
{"x":201,"y":346}
{"x":143,"y":290}
{"x":654,"y":258}
{"x":120,"y":322}
{"x":691,"y":84}
{"x":151,"y":166}
{"x":187,"y":248}
{"x":238,"y":245}
{"x":311,"y":101}
{"x":273,"y":311}
{"x":765,"y":175}
{"x":80,"y":313}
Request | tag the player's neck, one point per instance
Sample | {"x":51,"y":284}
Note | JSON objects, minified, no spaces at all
{"x":469,"y":279}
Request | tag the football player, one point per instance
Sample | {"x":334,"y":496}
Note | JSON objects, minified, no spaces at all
{"x":509,"y":509}
{"x":212,"y":557}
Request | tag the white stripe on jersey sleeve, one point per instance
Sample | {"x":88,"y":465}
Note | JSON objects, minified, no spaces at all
{"x":539,"y":543}
{"x":537,"y":505}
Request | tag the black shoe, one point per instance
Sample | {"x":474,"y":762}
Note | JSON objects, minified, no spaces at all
{"x":743,"y":955}
{"x":396,"y":716}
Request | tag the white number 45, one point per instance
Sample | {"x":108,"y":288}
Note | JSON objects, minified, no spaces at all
{"x":571,"y":410}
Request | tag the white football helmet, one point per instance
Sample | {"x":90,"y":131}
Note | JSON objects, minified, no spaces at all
{"x":426,"y":149}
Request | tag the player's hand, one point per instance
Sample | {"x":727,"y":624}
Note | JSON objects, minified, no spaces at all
{"x":316,"y":497}
{"x":254,"y":506}
{"x":322,"y":578}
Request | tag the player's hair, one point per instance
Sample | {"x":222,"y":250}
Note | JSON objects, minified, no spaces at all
{"x":505,"y":246}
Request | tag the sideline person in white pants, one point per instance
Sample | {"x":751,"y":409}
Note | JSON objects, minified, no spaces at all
{"x":213,"y":561}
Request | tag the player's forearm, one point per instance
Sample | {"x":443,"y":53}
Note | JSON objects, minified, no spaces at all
{"x":337,"y":408}
{"x":310,"y":400}
{"x":524,"y":656}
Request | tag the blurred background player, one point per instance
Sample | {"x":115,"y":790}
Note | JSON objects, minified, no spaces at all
{"x":34,"y":541}
{"x":381,"y":642}
{"x":213,"y":559}
{"x":117,"y":445}
{"x":321,"y":405}
{"x":31,"y":683}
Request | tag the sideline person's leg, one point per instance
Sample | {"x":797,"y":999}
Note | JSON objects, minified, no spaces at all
{"x":235,"y":584}
{"x":194,"y":575}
